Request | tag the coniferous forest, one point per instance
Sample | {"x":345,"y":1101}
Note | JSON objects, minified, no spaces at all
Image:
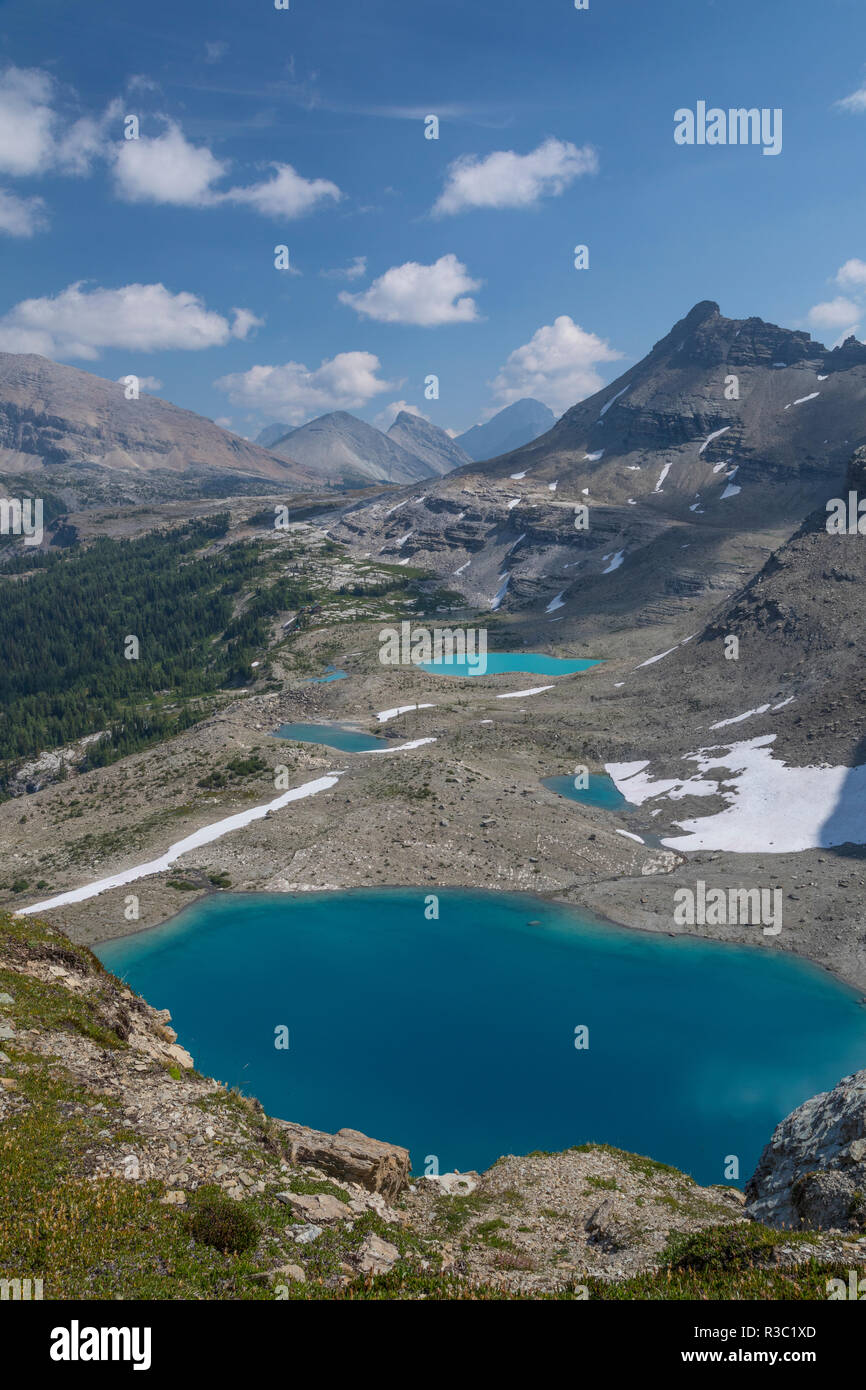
{"x":200,"y":611}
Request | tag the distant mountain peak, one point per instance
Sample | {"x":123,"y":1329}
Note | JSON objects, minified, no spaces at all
{"x":512,"y":427}
{"x":341,"y":448}
{"x":430,"y":443}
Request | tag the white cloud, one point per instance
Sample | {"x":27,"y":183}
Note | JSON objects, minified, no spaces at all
{"x":854,"y":103}
{"x":426,"y":295}
{"x":214,"y":50}
{"x":26,"y":121}
{"x":224,"y":422}
{"x":557,"y":366}
{"x":833,"y":313}
{"x":242,"y":323}
{"x":356,"y":270}
{"x":166,"y":168}
{"x":36,"y":136}
{"x":81,"y":323}
{"x":838,"y":316}
{"x":21,"y":216}
{"x":505,"y":179}
{"x":286,"y":194}
{"x":294,"y":392}
{"x":85,"y":141}
{"x":852,"y":275}
{"x":385,"y":419}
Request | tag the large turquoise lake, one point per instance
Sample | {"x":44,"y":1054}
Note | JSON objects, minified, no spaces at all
{"x":456,"y":1036}
{"x":498,"y":663}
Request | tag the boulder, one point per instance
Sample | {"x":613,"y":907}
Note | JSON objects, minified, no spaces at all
{"x":375,"y":1255}
{"x":316,"y":1206}
{"x":813,"y":1171}
{"x":348,"y":1155}
{"x":305,"y":1234}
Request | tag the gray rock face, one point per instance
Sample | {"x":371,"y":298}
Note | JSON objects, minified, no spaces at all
{"x":427,"y":442}
{"x":813,"y":1171}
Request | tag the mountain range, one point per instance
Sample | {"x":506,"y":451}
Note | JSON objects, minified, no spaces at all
{"x":80,"y":433}
{"x":691,"y":468}
{"x":340,"y":447}
{"x":91,"y":444}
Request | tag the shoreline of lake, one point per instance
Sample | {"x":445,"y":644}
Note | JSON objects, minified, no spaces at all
{"x":553,"y":972}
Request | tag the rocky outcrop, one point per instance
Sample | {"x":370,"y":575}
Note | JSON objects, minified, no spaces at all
{"x":350,"y":1156}
{"x":813,"y":1171}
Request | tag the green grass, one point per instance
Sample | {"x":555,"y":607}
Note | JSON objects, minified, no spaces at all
{"x":726,"y":1262}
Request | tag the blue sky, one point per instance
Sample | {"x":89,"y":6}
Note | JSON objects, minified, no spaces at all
{"x":261,"y":127}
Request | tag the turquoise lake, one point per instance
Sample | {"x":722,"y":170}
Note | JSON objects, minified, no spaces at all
{"x":331,"y":674}
{"x":456,"y":1037}
{"x":601,"y":792}
{"x":532,"y":663}
{"x":341,"y":736}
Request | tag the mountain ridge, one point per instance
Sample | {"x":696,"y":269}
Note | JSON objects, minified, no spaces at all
{"x":59,"y":419}
{"x":727,"y":432}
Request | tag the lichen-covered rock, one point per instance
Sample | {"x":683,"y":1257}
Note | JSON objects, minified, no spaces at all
{"x":813,"y":1171}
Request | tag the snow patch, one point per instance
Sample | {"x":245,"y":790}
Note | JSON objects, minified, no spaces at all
{"x":606,"y":407}
{"x":738,"y":718}
{"x":517,"y":694}
{"x":205,"y":836}
{"x":772,"y":808}
{"x":500,"y":593}
{"x":710,"y":437}
{"x":664,"y":473}
{"x":403,"y":747}
{"x":384,"y":715}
